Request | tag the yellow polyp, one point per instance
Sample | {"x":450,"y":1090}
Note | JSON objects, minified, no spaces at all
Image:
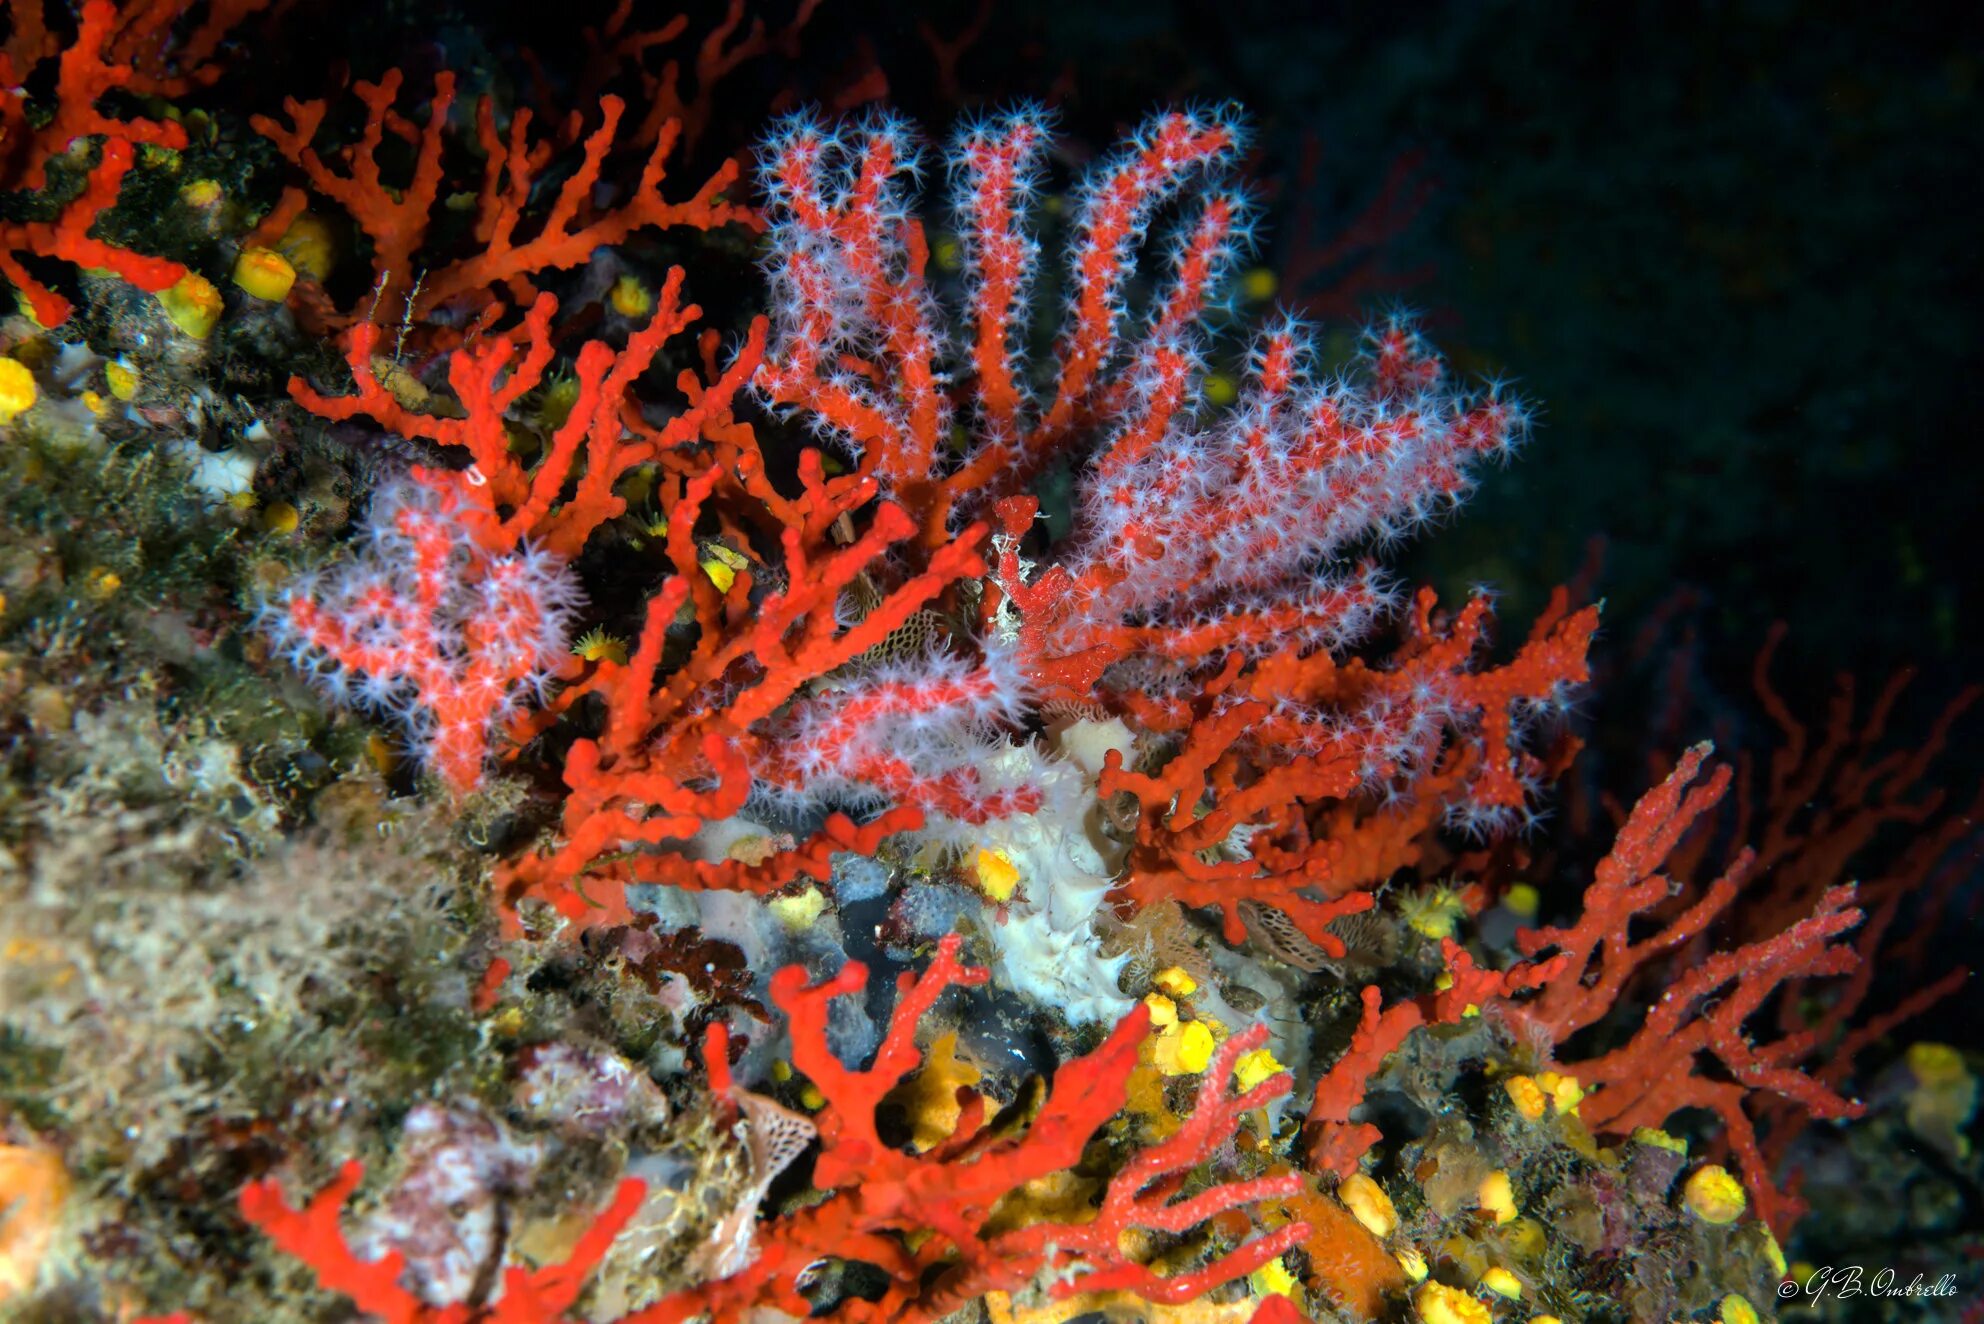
{"x":1935,"y":1064}
{"x":798,"y":912}
{"x":1659,"y":1139}
{"x":1496,"y":1197}
{"x":781,"y":1070}
{"x":810,"y":1097}
{"x":1502,"y":1283}
{"x":1525,"y":1238}
{"x":310,"y":245}
{"x":1368,"y":1204}
{"x":18,"y":391}
{"x":1253,"y":1068}
{"x":1259,"y":285}
{"x":1466,"y":1253}
{"x":1774,"y":1253}
{"x":1573,"y":1132}
{"x":556,"y":406}
{"x":193,"y":304}
{"x":631,"y":297}
{"x":997,"y":876}
{"x":122,"y":379}
{"x":1736,"y":1309}
{"x":1713,"y":1194}
{"x":1173,"y":980}
{"x":721,"y":564}
{"x":1522,"y":900}
{"x":379,"y":753}
{"x":1220,"y":389}
{"x":104,"y":583}
{"x":929,"y":1099}
{"x":719,"y":574}
{"x":947,"y":252}
{"x":281,"y":518}
{"x":264,"y":274}
{"x":1413,"y":1263}
{"x":1564,"y":1091}
{"x":1433,"y":912}
{"x":1439,"y":1304}
{"x":1272,"y":1279}
{"x":241,"y":501}
{"x":201,"y":193}
{"x":1184,"y":1050}
{"x":92,"y":401}
{"x":1163,"y":1011}
{"x":1058,"y":1197}
{"x":404,"y":387}
{"x":596,"y":645}
{"x":1527,"y":1095}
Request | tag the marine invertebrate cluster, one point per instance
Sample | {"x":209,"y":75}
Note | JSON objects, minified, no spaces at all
{"x":103,"y":57}
{"x":950,"y":625}
{"x":427,"y":628}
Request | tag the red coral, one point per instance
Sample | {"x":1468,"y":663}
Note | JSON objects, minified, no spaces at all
{"x":616,"y":44}
{"x":104,"y":57}
{"x":930,"y":1222}
{"x":1196,"y":803}
{"x":558,"y":501}
{"x":672,"y":756}
{"x":1203,"y":591}
{"x":1700,"y":1017}
{"x":84,"y":72}
{"x":1269,"y":751}
{"x":1702,"y":1013}
{"x":1817,"y":812}
{"x":509,"y":249}
{"x":68,"y":238}
{"x":430,"y":628}
{"x":1334,"y":1140}
{"x":314,"y":1236}
{"x":927,"y":1221}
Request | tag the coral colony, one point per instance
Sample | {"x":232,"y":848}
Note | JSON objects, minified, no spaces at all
{"x":979,"y":831}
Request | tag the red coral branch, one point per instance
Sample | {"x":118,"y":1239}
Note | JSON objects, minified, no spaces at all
{"x":1704,"y":1012}
{"x":936,"y":1223}
{"x":669,"y":759}
{"x":314,"y":1235}
{"x":603,"y":436}
{"x":68,"y":238}
{"x":430,"y":628}
{"x":510,"y":248}
{"x":927,"y":1221}
{"x":84,"y":73}
{"x":1334,"y":1140}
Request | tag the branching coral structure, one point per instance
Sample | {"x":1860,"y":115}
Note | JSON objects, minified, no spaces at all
{"x":987,"y":607}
